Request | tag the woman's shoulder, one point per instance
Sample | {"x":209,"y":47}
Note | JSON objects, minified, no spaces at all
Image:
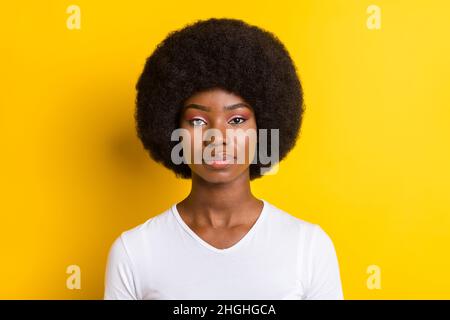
{"x":148,"y":231}
{"x":290,"y":220}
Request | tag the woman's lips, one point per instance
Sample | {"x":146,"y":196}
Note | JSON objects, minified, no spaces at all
{"x":220,"y":161}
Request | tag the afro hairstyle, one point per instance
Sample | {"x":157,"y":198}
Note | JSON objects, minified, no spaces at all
{"x":218,"y":53}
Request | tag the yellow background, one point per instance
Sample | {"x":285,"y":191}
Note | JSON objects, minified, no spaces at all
{"x":371,"y":166}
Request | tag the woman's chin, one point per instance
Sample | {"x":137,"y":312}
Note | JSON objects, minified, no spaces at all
{"x":219,"y":175}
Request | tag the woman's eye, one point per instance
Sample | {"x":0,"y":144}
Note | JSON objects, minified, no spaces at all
{"x":197,"y":122}
{"x":237,"y":120}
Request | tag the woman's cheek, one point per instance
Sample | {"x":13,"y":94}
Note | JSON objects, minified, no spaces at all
{"x":192,"y":149}
{"x":245,"y":145}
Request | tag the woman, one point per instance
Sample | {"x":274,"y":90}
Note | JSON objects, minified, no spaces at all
{"x":221,"y":242}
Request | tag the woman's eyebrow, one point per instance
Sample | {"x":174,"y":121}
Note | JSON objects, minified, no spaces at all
{"x":207,"y":109}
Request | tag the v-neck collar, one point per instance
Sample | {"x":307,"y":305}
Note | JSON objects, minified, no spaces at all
{"x":252,"y":230}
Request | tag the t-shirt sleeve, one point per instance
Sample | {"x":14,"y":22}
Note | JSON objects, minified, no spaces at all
{"x":119,"y":276}
{"x":324,"y":275}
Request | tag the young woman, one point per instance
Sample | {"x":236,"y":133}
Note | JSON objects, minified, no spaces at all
{"x":221,"y":242}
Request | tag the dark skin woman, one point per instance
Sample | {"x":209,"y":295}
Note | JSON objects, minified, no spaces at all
{"x":190,"y":81}
{"x":219,"y":102}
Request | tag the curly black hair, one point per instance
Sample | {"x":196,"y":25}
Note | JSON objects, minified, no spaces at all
{"x":218,"y":53}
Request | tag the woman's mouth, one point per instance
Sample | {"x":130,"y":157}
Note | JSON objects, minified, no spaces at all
{"x":220,"y":161}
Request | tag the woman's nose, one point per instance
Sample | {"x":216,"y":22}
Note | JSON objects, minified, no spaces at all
{"x":216,"y":134}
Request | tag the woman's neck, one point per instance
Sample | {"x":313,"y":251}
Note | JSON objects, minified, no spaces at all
{"x":220,"y":205}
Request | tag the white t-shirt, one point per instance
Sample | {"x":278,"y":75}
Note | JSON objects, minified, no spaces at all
{"x":280,"y":257}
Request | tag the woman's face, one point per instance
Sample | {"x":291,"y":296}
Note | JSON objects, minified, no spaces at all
{"x":226,"y":153}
